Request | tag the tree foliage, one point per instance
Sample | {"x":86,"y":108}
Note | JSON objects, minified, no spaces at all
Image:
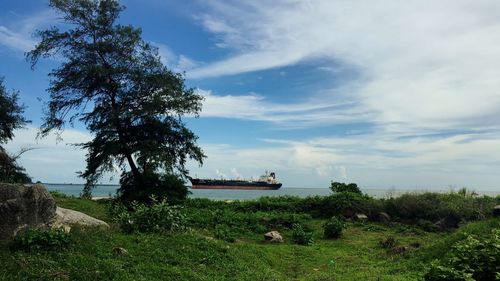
{"x":115,"y":83}
{"x":11,"y":111}
{"x":10,"y":170}
{"x":11,"y":118}
{"x":342,"y":187}
{"x":474,"y":258}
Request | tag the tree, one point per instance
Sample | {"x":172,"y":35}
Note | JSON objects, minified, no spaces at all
{"x":10,"y":170}
{"x":11,"y":118}
{"x":114,"y":82}
{"x":342,"y":187}
{"x":11,"y":111}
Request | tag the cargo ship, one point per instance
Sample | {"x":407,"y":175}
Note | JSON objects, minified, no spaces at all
{"x":265,"y":182}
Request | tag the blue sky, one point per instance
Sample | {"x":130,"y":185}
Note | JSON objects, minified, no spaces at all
{"x":384,"y":94}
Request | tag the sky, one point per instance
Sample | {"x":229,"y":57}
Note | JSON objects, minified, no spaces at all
{"x":386,"y":94}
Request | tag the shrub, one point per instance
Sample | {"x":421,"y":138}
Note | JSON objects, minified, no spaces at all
{"x":434,"y":206}
{"x":223,"y":232}
{"x":302,"y":236}
{"x":157,"y":217}
{"x":163,"y":187}
{"x":427,"y":225}
{"x":256,"y":221}
{"x":281,"y":203}
{"x":342,"y":187}
{"x":42,"y":239}
{"x":473,"y":258}
{"x":59,"y":194}
{"x":344,"y":203}
{"x":388,"y":243}
{"x":332,"y":229}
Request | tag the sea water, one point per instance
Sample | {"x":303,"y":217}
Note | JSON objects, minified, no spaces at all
{"x":228,"y":194}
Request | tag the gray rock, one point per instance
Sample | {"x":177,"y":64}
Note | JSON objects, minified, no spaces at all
{"x":384,"y":217}
{"x":119,"y":251}
{"x":24,"y":206}
{"x":496,"y":211}
{"x":66,"y":218}
{"x":274,"y":236}
{"x":360,"y":217}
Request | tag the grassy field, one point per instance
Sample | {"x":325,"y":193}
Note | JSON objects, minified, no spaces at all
{"x":196,"y":255}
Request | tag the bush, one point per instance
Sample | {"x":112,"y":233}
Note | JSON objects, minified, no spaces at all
{"x":389,"y":243}
{"x":343,"y":203}
{"x":340,"y":204}
{"x":432,"y":207}
{"x":42,"y":239}
{"x":223,"y":232}
{"x":473,"y":258}
{"x":251,"y":221}
{"x":281,"y":203}
{"x":163,"y":187}
{"x":332,"y":229}
{"x":302,"y":236}
{"x":157,"y":217}
{"x":426,"y":225}
{"x":342,"y":187}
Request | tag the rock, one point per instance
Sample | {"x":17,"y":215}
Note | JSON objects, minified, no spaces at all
{"x":348,"y":213}
{"x":496,"y":211}
{"x":447,"y":222}
{"x":360,"y":217}
{"x":24,"y":206}
{"x":273,"y":236}
{"x":119,"y":251}
{"x":66,"y":217}
{"x":384,"y":217}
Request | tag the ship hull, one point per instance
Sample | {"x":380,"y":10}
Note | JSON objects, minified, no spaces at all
{"x":239,"y":185}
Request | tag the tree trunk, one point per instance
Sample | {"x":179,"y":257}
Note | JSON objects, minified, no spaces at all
{"x":133,"y":166}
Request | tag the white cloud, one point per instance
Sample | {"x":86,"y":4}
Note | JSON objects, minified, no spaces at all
{"x":52,"y":160}
{"x":372,"y":160}
{"x":178,"y":63}
{"x":291,"y":115}
{"x":14,"y":40}
{"x":236,"y":174}
{"x":18,"y":36}
{"x":426,"y":65}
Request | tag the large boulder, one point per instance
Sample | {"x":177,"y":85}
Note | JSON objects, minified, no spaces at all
{"x":65,"y":218}
{"x":24,"y":206}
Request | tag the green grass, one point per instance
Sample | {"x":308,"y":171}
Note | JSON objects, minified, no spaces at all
{"x":196,"y":255}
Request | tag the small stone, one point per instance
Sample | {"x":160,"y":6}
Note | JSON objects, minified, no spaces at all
{"x":119,"y":251}
{"x":274,"y":236}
